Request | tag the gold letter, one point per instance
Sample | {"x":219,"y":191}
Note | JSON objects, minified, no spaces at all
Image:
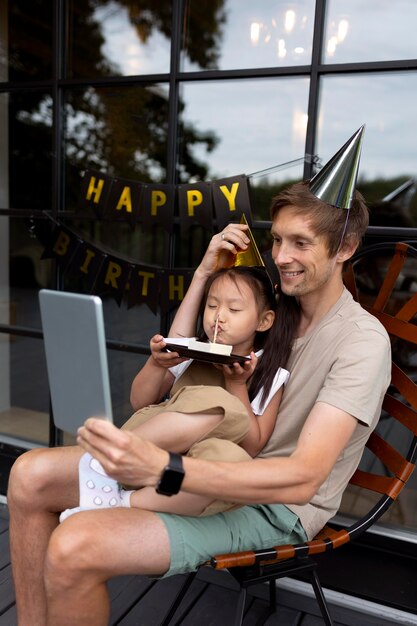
{"x":176,"y":288}
{"x":146,"y":278}
{"x":95,"y":190}
{"x":61,"y":244}
{"x":194,"y":198}
{"x":89,"y":256}
{"x":113,"y":271}
{"x":230,"y":195}
{"x":125,"y":200}
{"x":158,"y":198}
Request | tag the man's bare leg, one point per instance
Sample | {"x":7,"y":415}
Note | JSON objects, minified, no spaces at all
{"x":42,"y":483}
{"x":85,"y":551}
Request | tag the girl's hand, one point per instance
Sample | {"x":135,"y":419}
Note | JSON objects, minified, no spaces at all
{"x":223,"y":248}
{"x":160,"y":356}
{"x":239,"y":374}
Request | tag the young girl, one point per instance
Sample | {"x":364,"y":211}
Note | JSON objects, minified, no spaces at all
{"x":208,"y":403}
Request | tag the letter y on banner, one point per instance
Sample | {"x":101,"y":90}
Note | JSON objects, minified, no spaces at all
{"x":231,"y":200}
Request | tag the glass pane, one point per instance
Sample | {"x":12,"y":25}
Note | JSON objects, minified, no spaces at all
{"x":234,"y":34}
{"x":119,"y":131}
{"x":26,"y":40}
{"x":123,"y":367}
{"x":26,"y":118}
{"x":389,"y":158}
{"x":24,"y":409}
{"x":119,"y":38}
{"x":368,"y":31}
{"x":233,"y":143}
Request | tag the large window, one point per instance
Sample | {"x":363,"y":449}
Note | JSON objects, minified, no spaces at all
{"x":168,"y":93}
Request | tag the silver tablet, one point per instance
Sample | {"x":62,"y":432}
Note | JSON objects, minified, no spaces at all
{"x":76,"y":358}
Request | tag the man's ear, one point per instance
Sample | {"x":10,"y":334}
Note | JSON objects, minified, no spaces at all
{"x":348,"y":248}
{"x":266,"y":321}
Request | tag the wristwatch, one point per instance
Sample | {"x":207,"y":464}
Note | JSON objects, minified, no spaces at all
{"x":172,"y":476}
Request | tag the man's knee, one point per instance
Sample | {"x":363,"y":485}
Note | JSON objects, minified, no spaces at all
{"x":69,"y":557}
{"x":27,"y":477}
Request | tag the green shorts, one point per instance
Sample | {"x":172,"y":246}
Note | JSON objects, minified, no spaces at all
{"x":194,"y":540}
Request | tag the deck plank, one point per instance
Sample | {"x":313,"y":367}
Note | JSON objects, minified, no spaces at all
{"x":4,"y":549}
{"x":7,"y":597}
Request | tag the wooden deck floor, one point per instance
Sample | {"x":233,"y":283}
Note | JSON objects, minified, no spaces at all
{"x":211,"y":600}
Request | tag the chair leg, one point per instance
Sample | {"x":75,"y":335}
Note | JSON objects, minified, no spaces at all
{"x":240,"y":609}
{"x":272,"y":603}
{"x":178,"y":599}
{"x":320,"y":598}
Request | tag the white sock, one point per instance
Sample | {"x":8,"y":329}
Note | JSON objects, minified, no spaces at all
{"x":97,"y":490}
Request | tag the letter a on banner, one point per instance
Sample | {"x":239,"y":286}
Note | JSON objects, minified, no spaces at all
{"x":231,"y":200}
{"x":123,"y":202}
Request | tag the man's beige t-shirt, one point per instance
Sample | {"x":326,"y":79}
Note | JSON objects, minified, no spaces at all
{"x":345,"y":362}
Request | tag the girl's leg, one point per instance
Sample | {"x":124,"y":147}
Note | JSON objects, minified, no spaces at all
{"x":182,"y":504}
{"x":176,"y":431}
{"x":172,"y":431}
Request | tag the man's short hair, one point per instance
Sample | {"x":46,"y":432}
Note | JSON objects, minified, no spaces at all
{"x":326,"y":219}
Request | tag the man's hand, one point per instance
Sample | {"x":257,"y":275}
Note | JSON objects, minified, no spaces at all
{"x":125,"y":457}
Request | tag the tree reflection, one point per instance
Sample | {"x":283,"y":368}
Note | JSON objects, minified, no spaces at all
{"x":121,"y":129}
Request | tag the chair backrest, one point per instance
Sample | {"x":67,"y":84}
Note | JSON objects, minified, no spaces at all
{"x":383,"y":278}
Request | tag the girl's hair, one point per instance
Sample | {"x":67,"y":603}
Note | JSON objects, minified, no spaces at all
{"x":277,"y":341}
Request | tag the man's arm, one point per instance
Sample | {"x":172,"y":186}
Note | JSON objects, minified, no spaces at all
{"x":289,"y":480}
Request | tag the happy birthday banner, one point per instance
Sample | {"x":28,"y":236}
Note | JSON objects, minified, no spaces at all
{"x":103,"y":273}
{"x":117,"y":199}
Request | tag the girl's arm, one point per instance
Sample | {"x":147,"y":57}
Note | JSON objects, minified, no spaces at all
{"x":260,"y":426}
{"x":154,"y":380}
{"x":220,"y":253}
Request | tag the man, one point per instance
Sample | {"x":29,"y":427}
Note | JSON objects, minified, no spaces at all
{"x":340,"y":369}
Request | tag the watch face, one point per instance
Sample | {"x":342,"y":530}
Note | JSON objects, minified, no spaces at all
{"x":170,"y":482}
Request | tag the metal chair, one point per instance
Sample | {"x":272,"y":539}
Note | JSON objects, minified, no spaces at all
{"x":387,"y":469}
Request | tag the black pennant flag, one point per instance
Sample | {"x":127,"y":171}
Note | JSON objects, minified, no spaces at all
{"x":95,"y":190}
{"x":112,"y":278}
{"x":143,"y":287}
{"x":196,"y":206}
{"x":86,"y":264}
{"x":231,"y":199}
{"x":173,"y":285}
{"x":123,"y":202}
{"x":62,"y":246}
{"x":157,"y":206}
